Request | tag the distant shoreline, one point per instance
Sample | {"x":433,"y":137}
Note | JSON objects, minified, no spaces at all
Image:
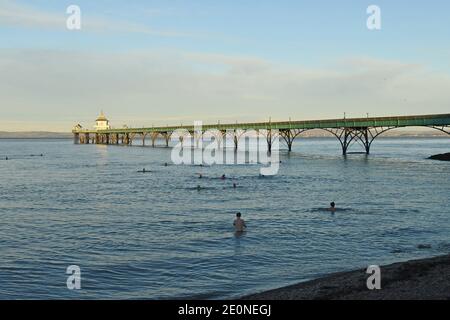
{"x":35,"y":135}
{"x":423,"y":279}
{"x":35,"y":138}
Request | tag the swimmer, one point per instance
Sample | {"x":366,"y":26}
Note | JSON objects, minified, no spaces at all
{"x":234,"y":185}
{"x":198,"y":187}
{"x":239,"y":224}
{"x":223,"y":177}
{"x":332,"y":207}
{"x":166,"y":164}
{"x":200,"y":176}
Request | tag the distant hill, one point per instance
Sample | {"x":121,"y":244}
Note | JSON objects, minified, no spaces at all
{"x":35,"y":135}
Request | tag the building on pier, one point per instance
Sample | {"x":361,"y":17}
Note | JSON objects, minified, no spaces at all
{"x":101,"y":123}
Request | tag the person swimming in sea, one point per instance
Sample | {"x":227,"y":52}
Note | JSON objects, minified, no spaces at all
{"x":223,"y":177}
{"x":239,"y":224}
{"x":200,"y":176}
{"x":234,"y":185}
{"x":332,"y":207}
{"x":198,"y":187}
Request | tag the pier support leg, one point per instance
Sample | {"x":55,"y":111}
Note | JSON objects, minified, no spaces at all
{"x":76,"y":138}
{"x":346,"y":142}
{"x":181,"y":139}
{"x":445,"y":129}
{"x":218,"y":137}
{"x":167,"y":136}
{"x":345,"y":137}
{"x":366,"y":141}
{"x":131,"y":138}
{"x":364,"y":135}
{"x":289,"y":135}
{"x":154,"y":136}
{"x":221,"y":136}
{"x":237,"y":133}
{"x":270,"y":136}
{"x":269,"y":140}
{"x":198,"y":136}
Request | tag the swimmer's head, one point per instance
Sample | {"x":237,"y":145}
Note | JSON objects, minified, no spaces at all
{"x":332,"y":204}
{"x":238,"y":214}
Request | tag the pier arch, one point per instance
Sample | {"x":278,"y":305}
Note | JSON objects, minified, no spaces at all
{"x":367,"y":135}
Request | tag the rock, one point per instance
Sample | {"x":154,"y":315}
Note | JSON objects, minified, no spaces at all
{"x":441,"y":157}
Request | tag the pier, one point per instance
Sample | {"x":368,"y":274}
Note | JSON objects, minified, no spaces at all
{"x":346,"y":130}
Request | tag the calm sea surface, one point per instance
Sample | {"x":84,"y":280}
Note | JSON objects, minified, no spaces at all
{"x":155,"y":236}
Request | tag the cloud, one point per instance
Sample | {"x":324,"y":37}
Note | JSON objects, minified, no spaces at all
{"x":52,"y":90}
{"x":13,"y":14}
{"x":25,"y":16}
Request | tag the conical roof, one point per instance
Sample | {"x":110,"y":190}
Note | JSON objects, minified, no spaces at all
{"x":101,"y":117}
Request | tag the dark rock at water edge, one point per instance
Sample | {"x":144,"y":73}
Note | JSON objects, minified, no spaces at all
{"x":441,"y":157}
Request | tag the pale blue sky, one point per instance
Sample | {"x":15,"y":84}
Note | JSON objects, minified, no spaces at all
{"x":147,"y":62}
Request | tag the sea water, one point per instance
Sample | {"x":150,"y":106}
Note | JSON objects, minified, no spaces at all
{"x":155,"y":236}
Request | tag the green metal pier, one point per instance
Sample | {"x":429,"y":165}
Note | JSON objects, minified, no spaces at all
{"x":347,"y":131}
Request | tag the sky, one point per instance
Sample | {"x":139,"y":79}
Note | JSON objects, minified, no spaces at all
{"x":171,"y":62}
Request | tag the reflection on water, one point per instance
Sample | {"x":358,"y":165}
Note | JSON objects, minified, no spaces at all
{"x":156,"y":235}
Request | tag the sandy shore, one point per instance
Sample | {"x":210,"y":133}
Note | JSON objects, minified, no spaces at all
{"x":426,"y":279}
